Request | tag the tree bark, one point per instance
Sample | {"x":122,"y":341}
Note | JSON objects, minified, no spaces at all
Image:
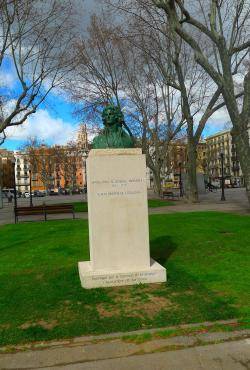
{"x":243,"y":150}
{"x":157,"y":183}
{"x":241,"y":127}
{"x":191,"y":189}
{"x":224,"y":78}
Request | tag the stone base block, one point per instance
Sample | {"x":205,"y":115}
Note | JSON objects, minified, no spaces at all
{"x":103,"y":278}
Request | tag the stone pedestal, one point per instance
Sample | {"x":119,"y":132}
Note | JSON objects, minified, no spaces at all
{"x":118,"y":221}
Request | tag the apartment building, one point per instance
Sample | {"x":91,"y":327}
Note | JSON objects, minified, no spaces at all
{"x":53,"y":168}
{"x":22,"y":171}
{"x":223,"y":142}
{"x":177,"y":159}
{"x":6,"y":169}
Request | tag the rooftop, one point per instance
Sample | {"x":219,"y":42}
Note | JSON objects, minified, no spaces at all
{"x":218,"y":134}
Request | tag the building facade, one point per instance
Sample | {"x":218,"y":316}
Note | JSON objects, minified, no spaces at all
{"x":84,"y":148}
{"x":6,"y":169}
{"x":22,"y":166}
{"x":208,"y":161}
{"x":64,"y":167}
{"x":53,"y":168}
{"x":222,"y":142}
{"x":177,"y":160}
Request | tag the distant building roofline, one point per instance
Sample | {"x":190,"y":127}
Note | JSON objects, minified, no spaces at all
{"x":218,"y":134}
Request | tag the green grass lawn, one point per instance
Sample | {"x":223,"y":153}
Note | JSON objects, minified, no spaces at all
{"x":80,"y":206}
{"x":152,"y":203}
{"x":207,"y":256}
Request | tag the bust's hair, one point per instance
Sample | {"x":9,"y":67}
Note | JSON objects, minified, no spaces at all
{"x":116,"y":112}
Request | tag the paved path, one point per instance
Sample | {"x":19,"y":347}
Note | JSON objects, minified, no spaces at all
{"x":7,"y":213}
{"x":193,"y":352}
{"x":226,"y":356}
{"x":236,"y":202}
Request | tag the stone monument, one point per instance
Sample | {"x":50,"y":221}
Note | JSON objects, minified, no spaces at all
{"x":118,"y":211}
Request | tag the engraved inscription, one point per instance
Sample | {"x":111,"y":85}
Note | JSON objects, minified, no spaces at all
{"x":119,"y":187}
{"x":124,"y":278}
{"x":119,"y":181}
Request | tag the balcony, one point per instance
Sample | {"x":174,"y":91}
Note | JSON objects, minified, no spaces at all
{"x":234,"y":159}
{"x":235,"y":168}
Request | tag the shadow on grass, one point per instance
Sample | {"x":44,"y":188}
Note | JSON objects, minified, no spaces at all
{"x":161,"y":248}
{"x":192,"y":300}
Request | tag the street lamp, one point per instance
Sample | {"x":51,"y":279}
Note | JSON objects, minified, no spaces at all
{"x":222,"y":175}
{"x":14,"y":181}
{"x":180,"y":181}
{"x":31,"y":203}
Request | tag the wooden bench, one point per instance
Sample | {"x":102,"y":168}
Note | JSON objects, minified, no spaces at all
{"x":170,"y":195}
{"x":59,"y":208}
{"x":26,"y":211}
{"x":44,"y":210}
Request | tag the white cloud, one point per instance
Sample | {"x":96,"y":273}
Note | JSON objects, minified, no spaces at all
{"x":219,"y":118}
{"x":239,"y":78}
{"x":217,"y":121}
{"x":7,"y":79}
{"x":44,"y":127}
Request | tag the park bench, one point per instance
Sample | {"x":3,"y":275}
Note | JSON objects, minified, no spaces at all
{"x":170,"y":195}
{"x":44,"y":210}
{"x":59,"y":208}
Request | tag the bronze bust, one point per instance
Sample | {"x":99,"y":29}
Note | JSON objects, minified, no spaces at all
{"x":113,"y":135}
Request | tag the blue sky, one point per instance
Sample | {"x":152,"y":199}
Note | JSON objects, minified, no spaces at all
{"x":55,"y":121}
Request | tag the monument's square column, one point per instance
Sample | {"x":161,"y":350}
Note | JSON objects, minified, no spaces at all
{"x":118,"y":221}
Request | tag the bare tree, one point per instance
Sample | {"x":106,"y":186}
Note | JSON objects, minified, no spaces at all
{"x":97,"y":78}
{"x":54,"y":166}
{"x":200,"y":97}
{"x":180,"y":72}
{"x":111,"y":69}
{"x":225,"y":27}
{"x":35,"y":38}
{"x":153,"y":107}
{"x":42,"y":161}
{"x":68,"y":159}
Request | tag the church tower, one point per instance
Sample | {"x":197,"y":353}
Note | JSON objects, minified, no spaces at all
{"x":83,"y":147}
{"x":82,"y":137}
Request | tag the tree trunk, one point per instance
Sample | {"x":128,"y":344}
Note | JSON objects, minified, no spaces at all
{"x":242,"y":142}
{"x":241,"y":128}
{"x":191,"y":190}
{"x":157,"y":183}
{"x":1,"y":197}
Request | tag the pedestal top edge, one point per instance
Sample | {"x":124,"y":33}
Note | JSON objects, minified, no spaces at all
{"x":123,"y":151}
